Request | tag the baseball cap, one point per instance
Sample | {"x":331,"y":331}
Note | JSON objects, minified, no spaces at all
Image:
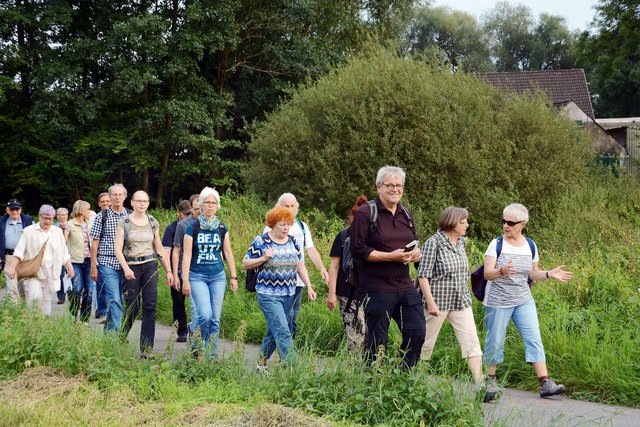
{"x":14,"y":203}
{"x":184,"y":207}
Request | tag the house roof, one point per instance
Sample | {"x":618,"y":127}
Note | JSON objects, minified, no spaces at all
{"x":559,"y":85}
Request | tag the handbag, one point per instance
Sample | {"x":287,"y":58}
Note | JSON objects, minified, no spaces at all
{"x":28,"y":268}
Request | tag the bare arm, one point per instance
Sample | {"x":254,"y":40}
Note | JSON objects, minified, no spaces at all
{"x":164,"y":260}
{"x":231,"y":263}
{"x":187,"y":253}
{"x":557,"y":273}
{"x":317,"y":261}
{"x":304,"y":275}
{"x":333,"y":279}
{"x":119,"y":242}
{"x":94,"y":259}
{"x":425,"y":287}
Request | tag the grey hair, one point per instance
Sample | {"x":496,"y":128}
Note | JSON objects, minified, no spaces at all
{"x":519,"y":211}
{"x":205,"y":193}
{"x":389,"y":171}
{"x":286,"y":196}
{"x":62,"y":211}
{"x":117,"y":185}
{"x":47,"y":210}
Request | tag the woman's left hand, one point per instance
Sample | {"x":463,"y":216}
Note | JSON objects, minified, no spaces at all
{"x":311,"y":293}
{"x":169,"y":279}
{"x":560,"y":274}
{"x":70,"y":273}
{"x":233,"y":284}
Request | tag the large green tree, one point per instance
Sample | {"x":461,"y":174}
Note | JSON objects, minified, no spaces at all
{"x":156,"y":93}
{"x":461,"y":142}
{"x":520,"y":42}
{"x":440,"y":30}
{"x":610,"y":53}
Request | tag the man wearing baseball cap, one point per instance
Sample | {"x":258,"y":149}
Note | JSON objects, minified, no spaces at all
{"x":11,"y":225}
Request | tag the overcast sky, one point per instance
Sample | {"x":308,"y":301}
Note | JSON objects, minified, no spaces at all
{"x":578,"y":13}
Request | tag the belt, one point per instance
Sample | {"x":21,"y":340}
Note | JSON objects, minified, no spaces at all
{"x":140,"y":258}
{"x":8,"y":251}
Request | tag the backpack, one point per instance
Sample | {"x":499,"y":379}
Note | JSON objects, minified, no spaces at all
{"x":127,"y":228}
{"x":304,"y":233}
{"x":252,"y":273}
{"x":349,"y":264}
{"x":103,"y":219}
{"x":479,"y":283}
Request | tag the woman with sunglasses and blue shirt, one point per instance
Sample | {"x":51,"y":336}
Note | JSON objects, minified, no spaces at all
{"x":508,"y":297}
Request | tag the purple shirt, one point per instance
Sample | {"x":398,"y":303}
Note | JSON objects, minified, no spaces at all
{"x":392,"y":232}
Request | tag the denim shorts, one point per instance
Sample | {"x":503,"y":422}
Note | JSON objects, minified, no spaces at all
{"x":525,"y":317}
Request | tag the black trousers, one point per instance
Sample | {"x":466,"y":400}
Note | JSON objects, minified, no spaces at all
{"x":144,"y":287}
{"x":179,"y":312}
{"x":407,"y":310}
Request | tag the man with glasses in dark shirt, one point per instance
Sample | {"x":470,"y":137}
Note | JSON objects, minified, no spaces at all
{"x":379,"y":248}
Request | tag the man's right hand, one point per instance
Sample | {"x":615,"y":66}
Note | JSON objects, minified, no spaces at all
{"x":94,"y":273}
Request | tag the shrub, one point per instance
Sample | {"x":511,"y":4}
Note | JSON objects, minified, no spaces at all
{"x":460,"y":141}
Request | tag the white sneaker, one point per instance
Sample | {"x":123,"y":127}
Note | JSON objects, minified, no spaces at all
{"x":262,"y":369}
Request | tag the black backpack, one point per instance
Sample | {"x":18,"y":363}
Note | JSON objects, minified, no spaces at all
{"x":252,"y":274}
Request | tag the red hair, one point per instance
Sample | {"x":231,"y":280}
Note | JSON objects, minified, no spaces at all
{"x":278,"y":214}
{"x":361,"y":200}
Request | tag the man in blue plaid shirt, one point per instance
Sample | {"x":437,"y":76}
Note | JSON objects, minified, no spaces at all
{"x":105,"y":268}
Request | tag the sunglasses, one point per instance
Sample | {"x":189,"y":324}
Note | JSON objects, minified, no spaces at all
{"x":511,"y":223}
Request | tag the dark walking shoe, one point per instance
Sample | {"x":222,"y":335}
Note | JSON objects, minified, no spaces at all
{"x":550,"y":388}
{"x":182,"y":338}
{"x":489,"y":389}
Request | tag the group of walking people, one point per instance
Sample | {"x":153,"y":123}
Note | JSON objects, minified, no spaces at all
{"x":118,"y":250}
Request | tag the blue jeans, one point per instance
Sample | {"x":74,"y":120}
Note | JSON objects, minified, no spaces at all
{"x":276,"y":310}
{"x":109,"y":281}
{"x":81,"y":295}
{"x":293,"y":327}
{"x":525,"y":317}
{"x":207,"y":294}
{"x":101,"y":297}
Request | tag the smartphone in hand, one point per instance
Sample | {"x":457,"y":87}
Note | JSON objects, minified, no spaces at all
{"x":411,"y":246}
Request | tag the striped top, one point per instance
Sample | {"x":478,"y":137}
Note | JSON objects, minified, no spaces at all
{"x":513,"y":290}
{"x":277,"y":276}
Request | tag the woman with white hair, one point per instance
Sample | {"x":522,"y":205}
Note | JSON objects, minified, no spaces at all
{"x":206,"y":245}
{"x":509,"y":262}
{"x":47,"y":281}
{"x":79,"y":244}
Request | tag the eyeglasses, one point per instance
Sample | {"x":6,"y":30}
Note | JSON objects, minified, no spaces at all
{"x":140,"y":201}
{"x":210,"y":202}
{"x":14,"y":209}
{"x":393,"y":186}
{"x":511,"y":223}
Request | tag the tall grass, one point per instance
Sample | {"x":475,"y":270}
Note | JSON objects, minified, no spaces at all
{"x":338,"y":389}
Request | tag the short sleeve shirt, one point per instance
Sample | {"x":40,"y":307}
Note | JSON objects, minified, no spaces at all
{"x":303,"y":239}
{"x":342,"y":286}
{"x":513,"y":290}
{"x":447,"y":267}
{"x":106,"y":251}
{"x":278,"y":275}
{"x":206,"y":257}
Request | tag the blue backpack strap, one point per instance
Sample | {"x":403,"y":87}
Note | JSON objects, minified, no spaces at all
{"x":304,"y":233}
{"x":498,"y":246}
{"x":532,"y":246}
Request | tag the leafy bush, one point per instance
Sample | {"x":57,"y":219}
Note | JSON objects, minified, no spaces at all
{"x":460,"y":141}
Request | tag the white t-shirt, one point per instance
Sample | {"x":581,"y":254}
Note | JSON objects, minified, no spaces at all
{"x":513,"y":290}
{"x":302,"y":240}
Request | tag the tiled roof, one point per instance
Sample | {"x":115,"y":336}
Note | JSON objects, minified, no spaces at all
{"x":559,"y":85}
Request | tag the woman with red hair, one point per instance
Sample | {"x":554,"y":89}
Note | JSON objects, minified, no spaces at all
{"x":279,"y":259}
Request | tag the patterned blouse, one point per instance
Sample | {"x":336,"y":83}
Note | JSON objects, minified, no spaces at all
{"x":447,"y":268}
{"x":277,"y":276}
